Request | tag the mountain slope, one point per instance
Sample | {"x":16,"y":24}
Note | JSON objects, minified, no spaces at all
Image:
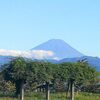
{"x":93,"y":61}
{"x":60,"y":49}
{"x":5,"y":59}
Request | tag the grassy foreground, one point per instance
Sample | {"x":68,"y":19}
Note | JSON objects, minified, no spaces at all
{"x":58,"y":96}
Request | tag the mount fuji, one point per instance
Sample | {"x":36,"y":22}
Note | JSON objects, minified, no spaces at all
{"x":60,"y":49}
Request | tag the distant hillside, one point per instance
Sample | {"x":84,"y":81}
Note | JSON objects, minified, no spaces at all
{"x":5,"y":59}
{"x":93,"y":61}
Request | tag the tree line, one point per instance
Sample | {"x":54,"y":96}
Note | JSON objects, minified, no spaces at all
{"x":21,"y":72}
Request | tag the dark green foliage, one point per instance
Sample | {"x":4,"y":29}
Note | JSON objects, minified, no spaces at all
{"x":33,"y":74}
{"x":16,"y":72}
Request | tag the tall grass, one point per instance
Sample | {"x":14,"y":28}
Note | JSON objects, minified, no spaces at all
{"x":58,"y":96}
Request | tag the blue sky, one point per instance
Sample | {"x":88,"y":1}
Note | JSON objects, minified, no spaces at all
{"x":27,"y":23}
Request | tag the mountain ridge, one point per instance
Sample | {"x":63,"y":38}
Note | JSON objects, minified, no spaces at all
{"x":93,"y":61}
{"x":60,"y":48}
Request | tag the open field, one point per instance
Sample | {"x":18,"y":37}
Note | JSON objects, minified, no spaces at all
{"x":58,"y":96}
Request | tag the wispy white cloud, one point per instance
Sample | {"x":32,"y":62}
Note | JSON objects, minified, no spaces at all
{"x":56,"y":58}
{"x":36,"y":54}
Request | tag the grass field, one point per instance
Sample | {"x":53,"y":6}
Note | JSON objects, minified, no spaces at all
{"x":58,"y":96}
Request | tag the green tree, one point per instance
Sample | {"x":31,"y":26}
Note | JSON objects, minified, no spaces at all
{"x":18,"y":71}
{"x":45,"y":75}
{"x":77,"y":73}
